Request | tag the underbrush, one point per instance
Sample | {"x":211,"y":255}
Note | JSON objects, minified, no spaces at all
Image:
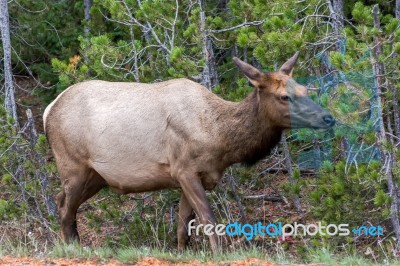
{"x":130,"y":227}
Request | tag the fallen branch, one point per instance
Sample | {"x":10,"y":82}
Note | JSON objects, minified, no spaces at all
{"x":285,"y":171}
{"x":265,"y":197}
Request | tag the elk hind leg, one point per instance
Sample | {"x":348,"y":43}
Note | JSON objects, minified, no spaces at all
{"x":186,"y":214}
{"x":77,"y":188}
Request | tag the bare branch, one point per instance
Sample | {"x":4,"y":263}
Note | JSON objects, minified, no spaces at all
{"x":244,"y":24}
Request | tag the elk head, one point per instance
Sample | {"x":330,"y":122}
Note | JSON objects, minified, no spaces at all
{"x":284,"y":101}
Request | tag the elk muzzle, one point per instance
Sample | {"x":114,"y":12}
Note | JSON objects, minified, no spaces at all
{"x":304,"y":113}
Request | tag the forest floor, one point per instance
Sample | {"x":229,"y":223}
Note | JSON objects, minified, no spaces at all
{"x":12,"y":261}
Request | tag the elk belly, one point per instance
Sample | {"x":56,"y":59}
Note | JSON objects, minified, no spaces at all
{"x":140,"y":177}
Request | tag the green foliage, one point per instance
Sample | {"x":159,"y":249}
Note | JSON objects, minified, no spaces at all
{"x":24,"y":174}
{"x":344,"y":194}
{"x":41,"y":30}
{"x":381,"y":198}
{"x":71,"y":73}
{"x":140,"y":222}
{"x":362,"y":14}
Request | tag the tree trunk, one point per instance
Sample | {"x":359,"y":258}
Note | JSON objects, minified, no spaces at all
{"x":87,"y":5}
{"x":242,"y":213}
{"x":388,"y":159}
{"x":336,"y":9}
{"x":396,"y":115}
{"x":209,"y":76}
{"x":288,"y":161}
{"x":337,"y":14}
{"x":135,"y":55}
{"x":9,"y":103}
{"x":44,"y":180}
{"x":395,"y":97}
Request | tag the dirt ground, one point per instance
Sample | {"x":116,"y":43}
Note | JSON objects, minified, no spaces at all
{"x":11,"y":261}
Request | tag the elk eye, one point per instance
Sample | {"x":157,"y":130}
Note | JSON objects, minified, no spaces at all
{"x":285,"y":98}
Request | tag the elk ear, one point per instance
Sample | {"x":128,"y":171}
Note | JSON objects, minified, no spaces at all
{"x":287,"y":67}
{"x":252,"y":73}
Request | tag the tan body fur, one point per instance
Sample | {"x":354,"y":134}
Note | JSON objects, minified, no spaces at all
{"x":160,"y":130}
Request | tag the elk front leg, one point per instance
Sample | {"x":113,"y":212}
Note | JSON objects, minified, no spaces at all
{"x":186,"y":214}
{"x":196,"y":196}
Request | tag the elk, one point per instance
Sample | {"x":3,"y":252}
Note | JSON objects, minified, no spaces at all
{"x":136,"y":137}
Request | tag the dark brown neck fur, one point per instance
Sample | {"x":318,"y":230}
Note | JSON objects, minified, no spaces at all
{"x":248,"y":135}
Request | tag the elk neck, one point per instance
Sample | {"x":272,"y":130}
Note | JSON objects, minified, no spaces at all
{"x":248,"y":135}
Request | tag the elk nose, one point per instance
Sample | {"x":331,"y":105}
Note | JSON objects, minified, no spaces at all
{"x":329,"y":120}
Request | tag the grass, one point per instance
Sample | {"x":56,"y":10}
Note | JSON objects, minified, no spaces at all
{"x":28,"y":245}
{"x":324,"y":255}
{"x":70,"y":251}
{"x":7,"y":248}
{"x":354,"y":260}
{"x":199,"y":252}
{"x":132,"y":254}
